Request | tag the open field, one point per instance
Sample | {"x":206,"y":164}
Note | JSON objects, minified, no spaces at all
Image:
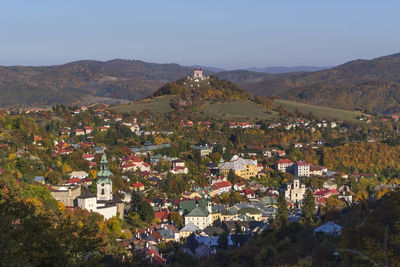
{"x":237,"y":110}
{"x":158,"y":105}
{"x":318,"y":111}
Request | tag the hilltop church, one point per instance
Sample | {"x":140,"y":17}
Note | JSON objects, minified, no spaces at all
{"x":104,"y":202}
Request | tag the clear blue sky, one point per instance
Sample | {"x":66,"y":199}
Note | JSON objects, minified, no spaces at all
{"x":229,"y":34}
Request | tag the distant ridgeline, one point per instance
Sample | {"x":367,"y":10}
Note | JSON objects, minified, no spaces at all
{"x":197,"y":89}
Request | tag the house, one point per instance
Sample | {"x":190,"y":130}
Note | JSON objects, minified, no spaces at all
{"x":88,"y":157}
{"x":329,"y":228}
{"x":220,"y":188}
{"x":283,"y":165}
{"x":79,"y":132}
{"x":180,"y":170}
{"x":239,"y":186}
{"x":204,"y":150}
{"x":245,"y":168}
{"x":317,"y":170}
{"x":162,"y":215}
{"x":267,"y":154}
{"x":249,"y":193}
{"x":178,"y":167}
{"x":78,"y":174}
{"x":138,"y":186}
{"x":188,"y":230}
{"x":280,"y":153}
{"x":39,"y":179}
{"x":134,"y":163}
{"x":298,"y":145}
{"x":198,"y":212}
{"x":294,"y":192}
{"x":321,"y":195}
{"x":301,"y":169}
{"x":88,"y":130}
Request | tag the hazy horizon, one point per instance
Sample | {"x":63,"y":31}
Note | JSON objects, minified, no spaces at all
{"x":223,"y":34}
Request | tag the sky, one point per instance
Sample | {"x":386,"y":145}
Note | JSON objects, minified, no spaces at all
{"x":228,"y":34}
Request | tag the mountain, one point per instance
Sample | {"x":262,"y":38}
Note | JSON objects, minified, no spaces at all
{"x":199,"y":90}
{"x":280,"y":69}
{"x":372,"y":85}
{"x":81,"y":80}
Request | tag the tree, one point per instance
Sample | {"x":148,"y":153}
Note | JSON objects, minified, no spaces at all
{"x":136,"y":198}
{"x":231,"y":176}
{"x":145,"y":211}
{"x":282,"y":217}
{"x":308,"y":208}
{"x":176,"y":218}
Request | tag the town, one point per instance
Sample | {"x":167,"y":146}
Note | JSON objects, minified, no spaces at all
{"x":164,"y":188}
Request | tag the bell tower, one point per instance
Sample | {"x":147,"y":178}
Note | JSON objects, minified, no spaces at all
{"x":104,"y":183}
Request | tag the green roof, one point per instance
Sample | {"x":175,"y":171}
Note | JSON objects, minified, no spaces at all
{"x":198,"y":212}
{"x":250,"y":211}
{"x":104,"y":174}
{"x":230,"y":211}
{"x":269,"y":201}
{"x":188,"y":206}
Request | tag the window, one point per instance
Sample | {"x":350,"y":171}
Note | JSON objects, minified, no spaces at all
{"x":102,"y":191}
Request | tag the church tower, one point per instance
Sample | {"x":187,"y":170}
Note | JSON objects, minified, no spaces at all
{"x":104,"y":183}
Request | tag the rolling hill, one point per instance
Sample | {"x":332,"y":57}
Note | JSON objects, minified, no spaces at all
{"x":75,"y":81}
{"x":372,"y":85}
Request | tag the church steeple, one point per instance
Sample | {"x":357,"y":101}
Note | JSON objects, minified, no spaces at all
{"x":104,"y":173}
{"x":104,"y":183}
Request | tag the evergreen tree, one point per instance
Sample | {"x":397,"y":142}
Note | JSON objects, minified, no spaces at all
{"x":136,"y":198}
{"x":228,"y":151}
{"x":308,"y":208}
{"x":231,"y":176}
{"x":282,"y":217}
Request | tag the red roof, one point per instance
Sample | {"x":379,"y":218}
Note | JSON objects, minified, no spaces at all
{"x":73,"y":181}
{"x":222,"y":184}
{"x":162,"y":215}
{"x":86,"y":156}
{"x":241,"y":184}
{"x":284,"y":161}
{"x":248,"y":191}
{"x":132,"y":158}
{"x":138,"y":184}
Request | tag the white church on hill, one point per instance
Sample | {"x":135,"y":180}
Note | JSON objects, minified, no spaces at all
{"x":105,"y":202}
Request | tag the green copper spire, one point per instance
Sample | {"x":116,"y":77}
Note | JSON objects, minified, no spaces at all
{"x":103,"y":176}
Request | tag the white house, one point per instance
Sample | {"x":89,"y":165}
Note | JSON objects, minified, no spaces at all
{"x":301,"y":169}
{"x":78,"y":174}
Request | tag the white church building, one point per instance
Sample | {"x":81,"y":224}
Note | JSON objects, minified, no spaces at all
{"x":104,"y":202}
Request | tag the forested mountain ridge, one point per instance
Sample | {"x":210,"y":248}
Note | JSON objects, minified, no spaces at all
{"x":69,"y":83}
{"x":372,"y":85}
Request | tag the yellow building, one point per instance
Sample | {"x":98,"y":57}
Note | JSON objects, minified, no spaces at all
{"x":245,"y":168}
